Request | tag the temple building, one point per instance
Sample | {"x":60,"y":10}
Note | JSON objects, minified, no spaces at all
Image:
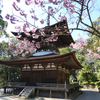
{"x":46,"y":70}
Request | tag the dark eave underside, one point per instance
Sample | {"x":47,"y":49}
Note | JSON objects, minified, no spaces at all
{"x":68,"y":59}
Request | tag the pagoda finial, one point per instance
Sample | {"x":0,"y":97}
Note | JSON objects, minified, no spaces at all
{"x":48,"y":17}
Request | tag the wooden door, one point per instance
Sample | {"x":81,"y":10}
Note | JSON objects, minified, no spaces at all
{"x":34,"y":78}
{"x":39,"y":77}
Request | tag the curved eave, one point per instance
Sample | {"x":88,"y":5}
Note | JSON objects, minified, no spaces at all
{"x":76,"y":64}
{"x":68,"y":59}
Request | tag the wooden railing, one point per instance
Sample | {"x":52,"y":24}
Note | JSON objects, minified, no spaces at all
{"x":9,"y":84}
{"x":50,"y":85}
{"x":69,"y":86}
{"x":66,"y":86}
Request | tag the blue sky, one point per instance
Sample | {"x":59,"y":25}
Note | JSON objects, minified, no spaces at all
{"x":7,"y":8}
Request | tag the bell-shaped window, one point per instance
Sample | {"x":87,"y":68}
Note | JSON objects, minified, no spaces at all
{"x":26,"y":68}
{"x":50,"y":66}
{"x":37,"y":67}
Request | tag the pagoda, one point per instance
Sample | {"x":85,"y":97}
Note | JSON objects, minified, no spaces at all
{"x":47,"y":68}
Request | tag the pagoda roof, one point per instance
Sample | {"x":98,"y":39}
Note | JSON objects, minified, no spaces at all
{"x":64,"y":38}
{"x":43,"y":53}
{"x":69,"y":60}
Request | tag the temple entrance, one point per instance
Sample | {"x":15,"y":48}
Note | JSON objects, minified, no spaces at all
{"x":37,"y":77}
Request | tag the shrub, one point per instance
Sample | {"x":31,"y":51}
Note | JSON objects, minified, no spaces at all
{"x":1,"y":85}
{"x":80,"y":83}
{"x":97,"y":83}
{"x":92,"y":83}
{"x":85,"y":83}
{"x":74,"y":82}
{"x":98,"y":76}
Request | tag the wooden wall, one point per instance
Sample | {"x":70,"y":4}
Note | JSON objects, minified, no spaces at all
{"x":62,"y":77}
{"x":48,"y":76}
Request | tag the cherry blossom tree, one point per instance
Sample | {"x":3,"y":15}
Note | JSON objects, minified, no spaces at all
{"x":90,"y":54}
{"x":40,"y":13}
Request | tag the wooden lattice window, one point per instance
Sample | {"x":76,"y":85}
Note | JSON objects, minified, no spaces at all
{"x":37,"y":67}
{"x":26,"y":68}
{"x":50,"y":66}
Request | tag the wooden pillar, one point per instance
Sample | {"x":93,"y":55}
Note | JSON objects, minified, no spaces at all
{"x":44,"y":65}
{"x":37,"y":92}
{"x":21,"y":72}
{"x":4,"y":89}
{"x":31,"y":81}
{"x":13,"y":91}
{"x":63,"y":77}
{"x":67,"y":76}
{"x":50,"y":93}
{"x":65,"y":94}
{"x":65,"y":84}
{"x":57,"y":73}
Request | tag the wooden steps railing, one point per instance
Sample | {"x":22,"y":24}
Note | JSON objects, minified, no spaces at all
{"x":26,"y":92}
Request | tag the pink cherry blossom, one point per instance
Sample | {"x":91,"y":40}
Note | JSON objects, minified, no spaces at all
{"x":18,"y":0}
{"x":29,"y":44}
{"x":42,"y":4}
{"x":33,"y":29}
{"x":16,"y":37}
{"x":42,"y":21}
{"x":80,"y":43}
{"x":32,"y":11}
{"x":18,"y":28}
{"x":30,"y":49}
{"x":33,"y":41}
{"x":48,"y":7}
{"x":72,"y":11}
{"x":15,"y":6}
{"x":65,"y":5}
{"x":22,"y":13}
{"x":55,"y":39}
{"x":15,"y":54}
{"x":25,"y":26}
{"x":26,"y":52}
{"x":51,"y":1}
{"x":72,"y":22}
{"x":56,"y":9}
{"x":35,"y":36}
{"x":23,"y":54}
{"x":42,"y":32}
{"x":65,"y":27}
{"x":92,"y":2}
{"x":63,"y":18}
{"x":28,"y":2}
{"x":98,"y":49}
{"x":7,"y":16}
{"x":28,"y":34}
{"x":19,"y":36}
{"x":92,"y":54}
{"x":55,"y":2}
{"x":34,"y":17}
{"x":37,"y":45}
{"x":12,"y":19}
{"x":48,"y":20}
{"x":54,"y":34}
{"x":68,"y":32}
{"x":36,"y":2}
{"x":50,"y":10}
{"x":21,"y":51}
